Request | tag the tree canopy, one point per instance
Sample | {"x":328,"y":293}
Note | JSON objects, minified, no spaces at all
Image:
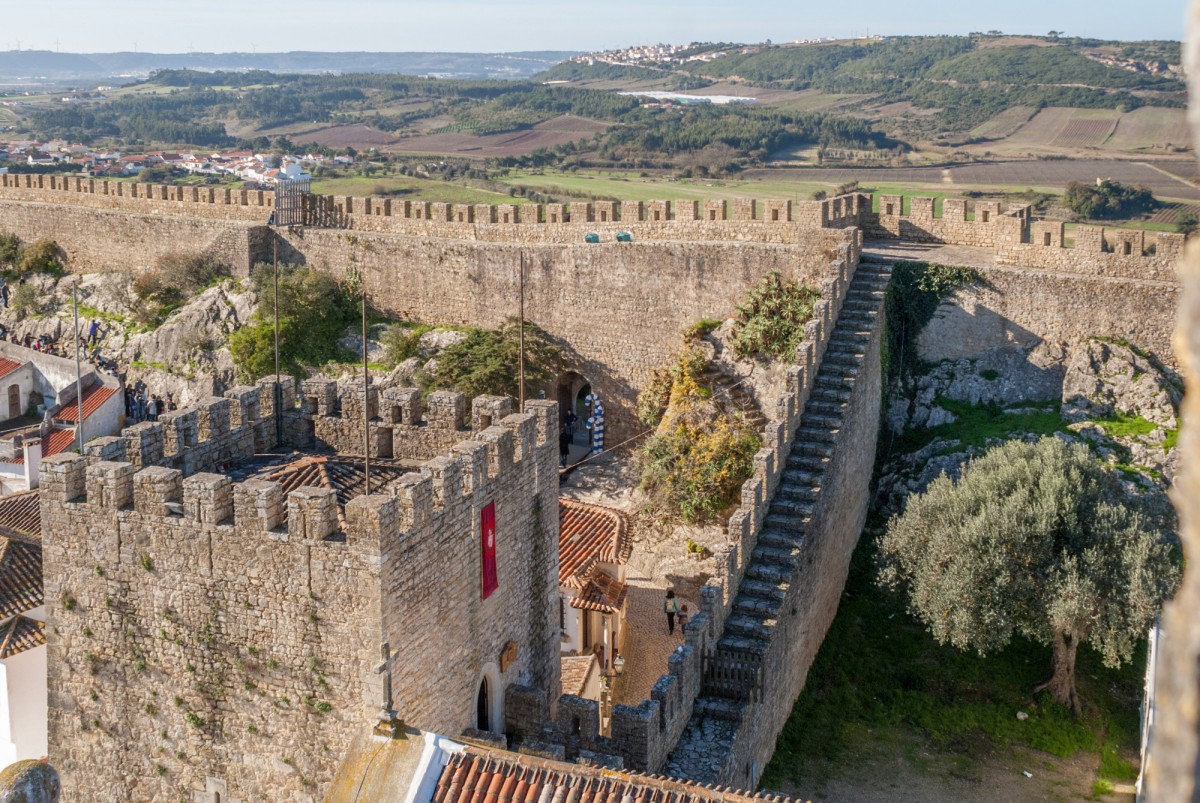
{"x":1037,"y":539}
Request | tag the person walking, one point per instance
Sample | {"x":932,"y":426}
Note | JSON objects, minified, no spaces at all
{"x":671,"y":609}
{"x":683,"y":617}
{"x":93,"y":332}
{"x":571,"y":420}
{"x":4,"y":293}
{"x":564,"y":447}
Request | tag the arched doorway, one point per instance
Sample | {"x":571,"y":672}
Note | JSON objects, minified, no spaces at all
{"x":571,"y":389}
{"x":483,"y":708}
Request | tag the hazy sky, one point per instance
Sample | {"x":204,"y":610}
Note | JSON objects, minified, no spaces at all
{"x":500,"y":25}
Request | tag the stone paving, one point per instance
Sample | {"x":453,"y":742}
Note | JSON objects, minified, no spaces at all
{"x":647,"y":644}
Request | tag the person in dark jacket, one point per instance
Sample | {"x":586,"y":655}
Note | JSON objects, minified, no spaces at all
{"x":564,"y":446}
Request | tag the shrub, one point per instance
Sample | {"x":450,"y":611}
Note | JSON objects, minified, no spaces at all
{"x":770,"y":321}
{"x":1186,"y":223}
{"x":701,"y":453}
{"x":10,"y":250}
{"x":26,"y":300}
{"x":43,"y":256}
{"x":652,"y":401}
{"x":401,"y":342}
{"x":173,"y":279}
{"x":1108,"y":200}
{"x":485,"y":362}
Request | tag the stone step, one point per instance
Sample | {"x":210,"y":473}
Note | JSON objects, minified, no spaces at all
{"x":813,"y":449}
{"x":821,"y":421}
{"x":804,"y":493}
{"x":808,"y":433}
{"x":780,"y":539}
{"x":752,"y":605}
{"x":765,"y":553}
{"x":737,"y":643}
{"x":804,"y":473}
{"x":719,"y":708}
{"x":762,"y":589}
{"x":769,"y":573}
{"x":754,"y":627}
{"x":826,"y":407}
{"x":842,"y":360}
{"x":834,"y":381}
{"x":829,"y":394}
{"x":788,"y":522}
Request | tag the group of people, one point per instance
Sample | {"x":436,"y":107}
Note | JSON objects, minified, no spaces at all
{"x":566,"y":436}
{"x":142,"y":406}
{"x":675,"y":612}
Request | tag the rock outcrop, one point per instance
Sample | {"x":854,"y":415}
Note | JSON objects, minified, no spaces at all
{"x":1105,"y":377}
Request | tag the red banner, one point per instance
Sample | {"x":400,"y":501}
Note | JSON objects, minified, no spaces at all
{"x":487,"y":520}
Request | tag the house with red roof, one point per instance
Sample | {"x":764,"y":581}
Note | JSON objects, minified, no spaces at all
{"x":593,"y":548}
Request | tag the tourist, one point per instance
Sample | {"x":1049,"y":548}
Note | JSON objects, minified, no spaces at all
{"x":571,"y":420}
{"x":671,"y":608}
{"x":93,"y":332}
{"x":683,"y":617}
{"x":564,"y":447}
{"x":4,"y":293}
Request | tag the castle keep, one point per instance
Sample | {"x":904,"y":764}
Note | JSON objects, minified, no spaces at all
{"x":229,"y":609}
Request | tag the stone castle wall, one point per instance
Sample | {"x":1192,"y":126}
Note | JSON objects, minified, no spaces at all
{"x":266,"y":649}
{"x":217,"y":643}
{"x":643,"y":736}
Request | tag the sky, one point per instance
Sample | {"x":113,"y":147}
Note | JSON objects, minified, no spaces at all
{"x":178,"y":26}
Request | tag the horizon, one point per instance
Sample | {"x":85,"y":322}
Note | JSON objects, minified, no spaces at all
{"x":538,"y":25}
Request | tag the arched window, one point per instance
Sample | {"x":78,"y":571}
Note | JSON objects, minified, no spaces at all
{"x":483,"y":708}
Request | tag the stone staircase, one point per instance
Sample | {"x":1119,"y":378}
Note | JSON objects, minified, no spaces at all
{"x":774,"y":562}
{"x":736,"y":391}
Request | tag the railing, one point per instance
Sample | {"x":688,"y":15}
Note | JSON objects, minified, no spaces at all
{"x":733,"y":675}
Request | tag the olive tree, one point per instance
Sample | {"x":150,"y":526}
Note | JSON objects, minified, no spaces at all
{"x":1036,"y":539}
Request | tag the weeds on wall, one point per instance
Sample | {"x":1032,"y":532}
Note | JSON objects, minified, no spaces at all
{"x":916,"y":290}
{"x":770,"y":320}
{"x":702,"y":451}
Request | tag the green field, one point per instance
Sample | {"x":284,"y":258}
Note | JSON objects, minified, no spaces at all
{"x":411,"y":189}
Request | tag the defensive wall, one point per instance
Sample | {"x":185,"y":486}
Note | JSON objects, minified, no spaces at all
{"x":642,"y":737}
{"x":240,"y":629}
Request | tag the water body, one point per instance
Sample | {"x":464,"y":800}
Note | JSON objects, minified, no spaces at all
{"x":677,"y":97}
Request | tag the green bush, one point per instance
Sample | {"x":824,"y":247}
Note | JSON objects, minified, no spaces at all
{"x":174,"y":278}
{"x":43,"y":256}
{"x":10,"y":250}
{"x":770,"y":321}
{"x":1186,"y":223}
{"x":401,"y":342}
{"x":314,"y":309}
{"x":26,"y":300}
{"x":1108,"y":200}
{"x":485,"y":362}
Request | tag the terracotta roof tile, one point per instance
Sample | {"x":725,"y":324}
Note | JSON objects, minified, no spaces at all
{"x":21,"y":634}
{"x":7,"y":366}
{"x":575,"y":671}
{"x":93,"y":398}
{"x":481,"y":775}
{"x":20,"y":514}
{"x":57,"y":442}
{"x":343,"y":474}
{"x":601,"y":593}
{"x":20,"y":576}
{"x":589,"y":534}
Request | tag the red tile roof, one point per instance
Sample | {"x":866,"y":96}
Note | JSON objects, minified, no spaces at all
{"x":7,"y":366}
{"x":601,"y":593}
{"x":21,"y":587}
{"x":93,"y":398}
{"x":575,"y":671}
{"x":21,"y":634}
{"x":343,"y":474}
{"x":589,"y":534}
{"x":478,"y":775}
{"x":20,"y":515}
{"x":57,"y":442}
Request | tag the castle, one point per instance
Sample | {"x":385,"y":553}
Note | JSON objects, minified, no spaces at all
{"x":227,"y":612}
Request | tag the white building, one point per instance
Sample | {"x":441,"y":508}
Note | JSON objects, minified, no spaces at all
{"x":23,"y":709}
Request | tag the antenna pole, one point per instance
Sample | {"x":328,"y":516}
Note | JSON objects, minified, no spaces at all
{"x":521,"y":337}
{"x":366,"y":395}
{"x":278,"y":387}
{"x":78,"y":370}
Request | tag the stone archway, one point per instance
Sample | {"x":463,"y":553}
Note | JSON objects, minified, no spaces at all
{"x":488,"y":712}
{"x":570,"y":389}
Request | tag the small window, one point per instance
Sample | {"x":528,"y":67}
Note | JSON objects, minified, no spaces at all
{"x":986,"y":216}
{"x":775,"y":215}
{"x":1128,"y":248}
{"x":1046,"y":238}
{"x":603,"y":217}
{"x":890,"y":210}
{"x":562,"y":615}
{"x":712,"y":214}
{"x":657,"y":215}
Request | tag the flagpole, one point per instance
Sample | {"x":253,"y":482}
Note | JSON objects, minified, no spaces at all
{"x":78,"y":369}
{"x":278,"y":387}
{"x":521,"y":338}
{"x":366,"y":396}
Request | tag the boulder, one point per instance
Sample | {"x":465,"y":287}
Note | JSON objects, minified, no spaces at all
{"x":30,"y":782}
{"x":1105,"y":377}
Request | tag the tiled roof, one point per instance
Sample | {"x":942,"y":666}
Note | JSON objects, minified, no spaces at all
{"x":21,"y":634}
{"x":344,"y":475}
{"x":20,"y":514}
{"x":93,"y":397}
{"x":575,"y":671}
{"x":589,"y":534}
{"x":7,"y":366}
{"x":20,"y":576}
{"x":477,"y":775}
{"x":601,"y":593}
{"x":57,"y":442}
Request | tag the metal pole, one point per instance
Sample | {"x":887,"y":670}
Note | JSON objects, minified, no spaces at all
{"x":78,"y":369}
{"x":521,"y":338}
{"x":278,"y":387}
{"x":366,"y":396}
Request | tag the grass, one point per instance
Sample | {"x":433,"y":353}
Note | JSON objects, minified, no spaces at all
{"x":978,"y":423}
{"x":409,"y":188}
{"x":879,"y":668}
{"x":1122,"y":425}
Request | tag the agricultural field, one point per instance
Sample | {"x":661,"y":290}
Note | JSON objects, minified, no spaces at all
{"x":358,"y":136}
{"x":556,"y":131}
{"x":1005,"y":124}
{"x":1150,"y":128}
{"x":1067,"y":128}
{"x":410,"y":188}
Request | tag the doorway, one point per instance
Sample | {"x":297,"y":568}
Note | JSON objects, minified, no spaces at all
{"x":14,"y":401}
{"x":482,"y":708}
